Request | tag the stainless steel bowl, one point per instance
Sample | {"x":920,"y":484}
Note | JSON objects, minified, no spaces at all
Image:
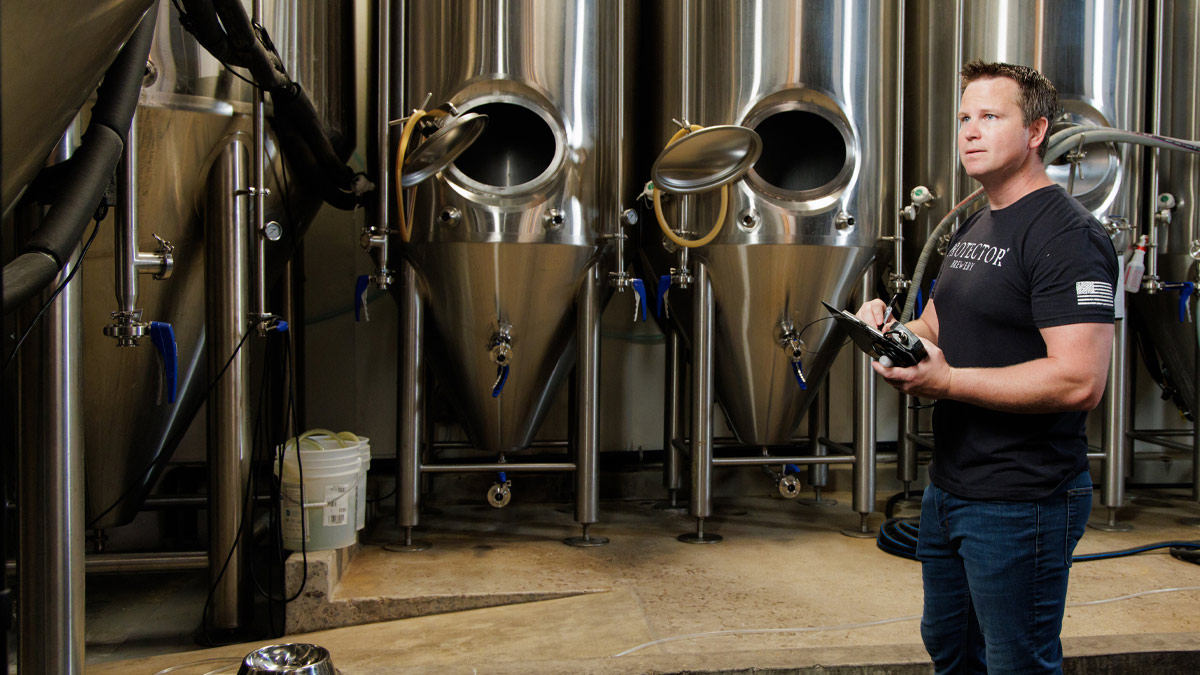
{"x":293,"y":659}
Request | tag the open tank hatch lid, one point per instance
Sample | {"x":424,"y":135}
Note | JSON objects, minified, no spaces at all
{"x":706,"y":159}
{"x":441,"y":149}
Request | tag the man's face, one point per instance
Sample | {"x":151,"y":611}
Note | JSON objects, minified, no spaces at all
{"x":993,"y":141}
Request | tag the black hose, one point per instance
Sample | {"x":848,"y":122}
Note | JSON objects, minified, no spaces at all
{"x":223,"y":28}
{"x":89,"y":173}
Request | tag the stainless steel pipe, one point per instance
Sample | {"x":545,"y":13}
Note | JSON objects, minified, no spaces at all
{"x":864,"y":418}
{"x":50,"y":562}
{"x":491,"y":467}
{"x":672,"y":457}
{"x":700,"y":505}
{"x":802,"y":460}
{"x":410,"y":400}
{"x":1115,"y":442}
{"x":587,"y":399}
{"x":227,"y":278}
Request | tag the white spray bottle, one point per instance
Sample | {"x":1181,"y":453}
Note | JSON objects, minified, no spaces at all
{"x":1137,"y":266}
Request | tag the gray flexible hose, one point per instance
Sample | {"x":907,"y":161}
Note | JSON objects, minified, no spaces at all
{"x":1058,"y":144}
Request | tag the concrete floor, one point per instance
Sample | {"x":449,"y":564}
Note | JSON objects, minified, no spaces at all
{"x":811,"y":597}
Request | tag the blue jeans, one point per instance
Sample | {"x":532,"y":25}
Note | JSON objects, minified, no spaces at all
{"x":995,"y":576}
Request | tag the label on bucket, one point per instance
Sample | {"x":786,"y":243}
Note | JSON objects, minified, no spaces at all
{"x":337,"y":503}
{"x":295,"y":525}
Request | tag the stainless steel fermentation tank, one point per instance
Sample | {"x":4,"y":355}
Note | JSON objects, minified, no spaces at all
{"x":1172,"y":210}
{"x":819,"y":83}
{"x":508,"y":249}
{"x":1093,"y":51}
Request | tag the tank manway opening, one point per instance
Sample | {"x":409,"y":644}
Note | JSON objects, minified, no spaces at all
{"x":516,"y":147}
{"x":802,"y":151}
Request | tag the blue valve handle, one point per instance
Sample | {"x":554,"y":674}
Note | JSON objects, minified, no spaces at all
{"x":798,"y":371}
{"x":503,"y":477}
{"x":664,"y":285}
{"x":162,"y":335}
{"x":501,"y":378}
{"x":1185,"y":288}
{"x":360,"y":292}
{"x":790,"y":468}
{"x":640,"y":287}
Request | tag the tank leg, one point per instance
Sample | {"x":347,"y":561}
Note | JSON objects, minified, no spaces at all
{"x":587,"y":430}
{"x":700,"y":505}
{"x":672,"y":457}
{"x":1114,"y":441}
{"x":818,"y":474}
{"x":411,"y":421}
{"x":864,"y":431}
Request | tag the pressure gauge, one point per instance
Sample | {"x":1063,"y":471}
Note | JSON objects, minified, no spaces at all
{"x":272,"y":230}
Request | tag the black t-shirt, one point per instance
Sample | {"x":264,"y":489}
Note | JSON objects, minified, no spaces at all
{"x":1043,"y":261}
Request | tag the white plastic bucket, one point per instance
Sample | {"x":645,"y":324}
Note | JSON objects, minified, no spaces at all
{"x":344,"y":442}
{"x":320,"y":513}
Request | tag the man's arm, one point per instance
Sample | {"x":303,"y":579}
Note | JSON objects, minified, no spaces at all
{"x":1070,"y":377}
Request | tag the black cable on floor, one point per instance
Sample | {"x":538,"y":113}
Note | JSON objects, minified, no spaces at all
{"x":898,"y":536}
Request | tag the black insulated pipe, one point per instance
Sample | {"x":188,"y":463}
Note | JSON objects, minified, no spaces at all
{"x":223,"y":28}
{"x":88,"y":172}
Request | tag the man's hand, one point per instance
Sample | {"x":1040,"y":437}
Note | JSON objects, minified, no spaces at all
{"x":872,"y":313}
{"x":930,"y":378}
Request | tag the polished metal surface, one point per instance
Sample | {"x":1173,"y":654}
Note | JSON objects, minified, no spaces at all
{"x":1178,"y":174}
{"x":863,"y":493}
{"x":443,"y":147}
{"x":587,"y":399}
{"x":1093,"y":52}
{"x":188,"y":106}
{"x":818,"y":82}
{"x":53,"y":54}
{"x":50,"y":494}
{"x":700,"y":501}
{"x":672,"y":409}
{"x":706,"y":159}
{"x":1114,"y":440}
{"x":293,"y":659}
{"x":411,"y":395}
{"x":227,"y":253}
{"x":546,"y":178}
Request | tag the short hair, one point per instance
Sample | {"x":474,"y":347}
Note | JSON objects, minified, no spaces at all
{"x":1036,"y":96}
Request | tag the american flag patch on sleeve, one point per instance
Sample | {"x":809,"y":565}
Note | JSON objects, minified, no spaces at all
{"x":1096,"y":293}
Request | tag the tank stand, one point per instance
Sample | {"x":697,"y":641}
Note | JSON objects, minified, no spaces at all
{"x":862,"y":531}
{"x":1111,"y":524}
{"x":1190,"y":522}
{"x":699,"y":537}
{"x":672,"y":503}
{"x":586,"y":540}
{"x":408,"y":545}
{"x":816,"y":499}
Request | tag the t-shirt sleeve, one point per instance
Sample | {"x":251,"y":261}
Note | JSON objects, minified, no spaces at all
{"x":1073,"y":279}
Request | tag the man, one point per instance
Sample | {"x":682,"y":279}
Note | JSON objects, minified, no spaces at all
{"x":1018,"y":333}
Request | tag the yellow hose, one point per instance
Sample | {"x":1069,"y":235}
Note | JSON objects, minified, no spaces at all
{"x":405,"y":226}
{"x":662,"y":220}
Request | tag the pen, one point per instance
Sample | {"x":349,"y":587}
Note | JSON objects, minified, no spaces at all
{"x":886,"y":315}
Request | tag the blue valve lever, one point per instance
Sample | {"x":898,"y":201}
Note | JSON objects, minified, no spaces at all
{"x":640,"y":287}
{"x":501,"y":378}
{"x":1185,"y":288}
{"x":162,"y":335}
{"x":664,"y":285}
{"x":360,"y":296}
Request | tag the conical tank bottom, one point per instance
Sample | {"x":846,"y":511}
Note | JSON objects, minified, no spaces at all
{"x":757,"y":288}
{"x":472,"y":288}
{"x":1156,"y":319}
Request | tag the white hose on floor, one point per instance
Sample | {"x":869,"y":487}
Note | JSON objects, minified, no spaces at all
{"x":229,"y":664}
{"x":852,"y":626}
